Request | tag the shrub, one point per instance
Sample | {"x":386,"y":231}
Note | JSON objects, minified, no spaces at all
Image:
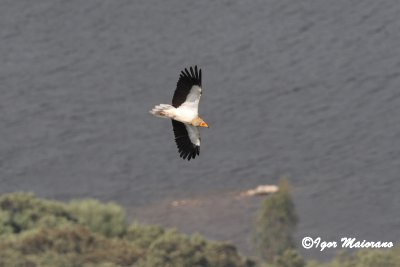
{"x":177,"y":250}
{"x":21,"y":211}
{"x":67,"y":246}
{"x":363,"y":258}
{"x":276,"y":223}
{"x":290,"y":258}
{"x":143,"y":235}
{"x":107,"y":219}
{"x":87,"y":233}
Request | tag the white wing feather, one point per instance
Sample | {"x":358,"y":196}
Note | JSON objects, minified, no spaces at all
{"x":192,"y":100}
{"x":194,"y":134}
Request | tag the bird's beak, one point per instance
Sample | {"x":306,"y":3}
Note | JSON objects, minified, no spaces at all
{"x":203,"y":124}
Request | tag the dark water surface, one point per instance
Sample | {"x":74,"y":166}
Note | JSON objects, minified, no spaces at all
{"x":306,"y":89}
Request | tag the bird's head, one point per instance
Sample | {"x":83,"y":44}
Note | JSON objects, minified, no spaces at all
{"x":199,"y":122}
{"x":203,"y":124}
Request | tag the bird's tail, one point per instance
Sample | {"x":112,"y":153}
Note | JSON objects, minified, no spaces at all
{"x":163,"y":111}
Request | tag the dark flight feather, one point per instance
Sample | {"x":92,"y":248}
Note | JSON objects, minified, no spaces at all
{"x":187,"y":150}
{"x":186,"y":81}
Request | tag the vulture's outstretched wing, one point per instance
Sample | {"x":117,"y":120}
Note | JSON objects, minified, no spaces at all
{"x":187,"y":139}
{"x":188,"y":89}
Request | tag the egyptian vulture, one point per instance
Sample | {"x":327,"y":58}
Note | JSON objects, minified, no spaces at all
{"x":184,"y":113}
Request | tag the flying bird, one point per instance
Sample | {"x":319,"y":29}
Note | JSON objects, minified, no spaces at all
{"x":184,"y":113}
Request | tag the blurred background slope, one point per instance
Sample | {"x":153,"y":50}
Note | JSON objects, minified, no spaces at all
{"x":305,"y":89}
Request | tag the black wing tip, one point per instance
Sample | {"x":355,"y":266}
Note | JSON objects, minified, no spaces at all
{"x":189,"y":155}
{"x":188,"y":78}
{"x":192,"y":72}
{"x":185,"y":154}
{"x":186,"y":149}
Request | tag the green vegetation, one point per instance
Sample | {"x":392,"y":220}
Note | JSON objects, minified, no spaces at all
{"x":36,"y":232}
{"x":275,"y":227}
{"x":43,"y":233}
{"x":364,"y":258}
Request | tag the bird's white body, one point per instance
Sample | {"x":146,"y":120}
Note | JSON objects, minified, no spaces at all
{"x":182,"y":114}
{"x":185,"y":113}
